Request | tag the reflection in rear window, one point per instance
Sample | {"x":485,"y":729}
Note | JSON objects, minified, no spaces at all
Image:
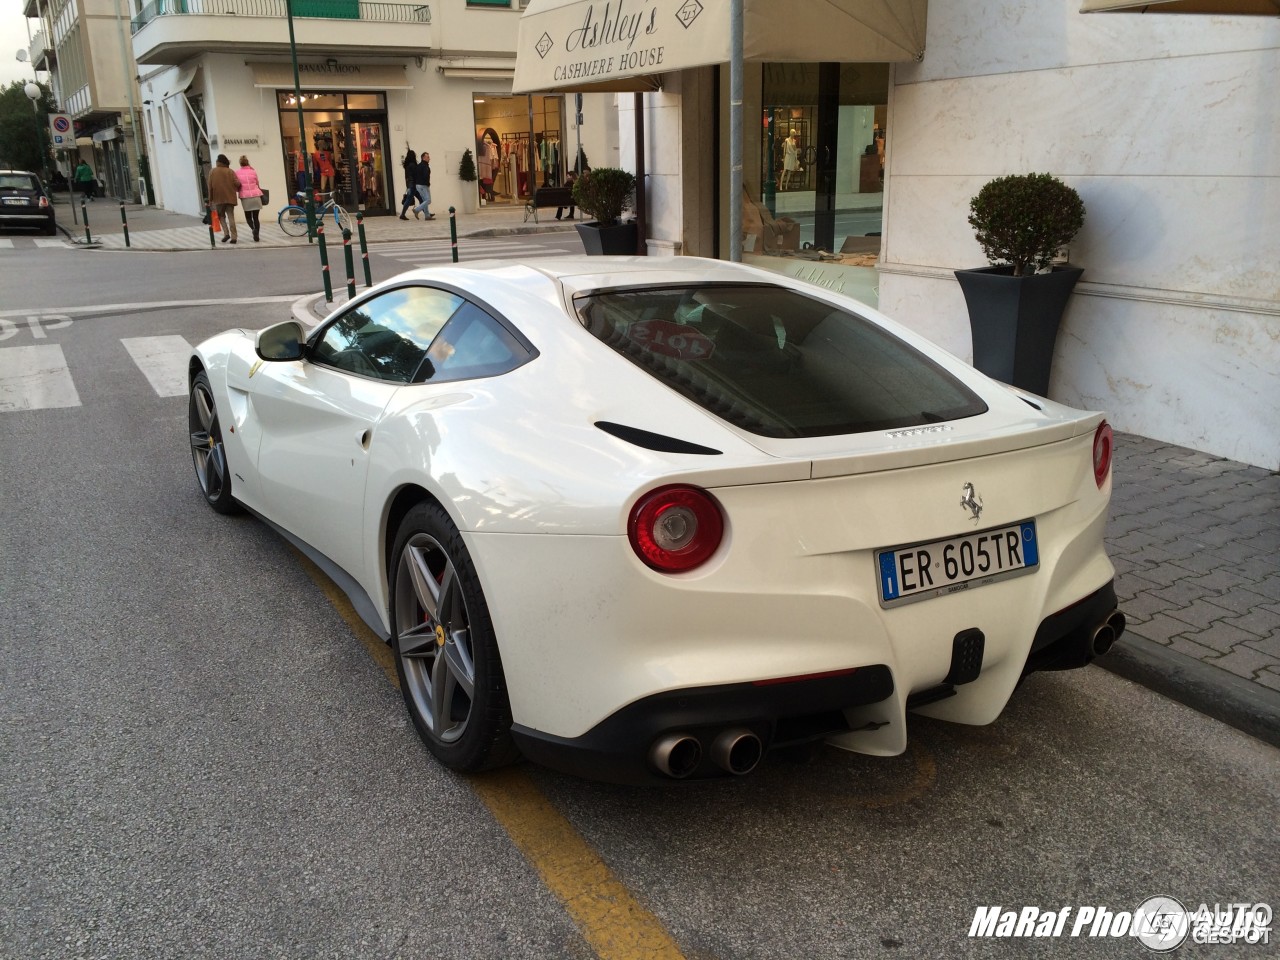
{"x":776,"y":362}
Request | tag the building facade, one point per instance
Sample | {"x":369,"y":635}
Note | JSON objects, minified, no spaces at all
{"x":83,"y":46}
{"x":376,"y":80}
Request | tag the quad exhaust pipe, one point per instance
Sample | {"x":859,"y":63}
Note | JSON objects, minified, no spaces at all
{"x":677,"y":755}
{"x":737,"y":751}
{"x":1107,"y":633}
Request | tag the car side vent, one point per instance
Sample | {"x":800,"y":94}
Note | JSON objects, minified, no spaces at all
{"x":1030,"y":403}
{"x":654,"y":441}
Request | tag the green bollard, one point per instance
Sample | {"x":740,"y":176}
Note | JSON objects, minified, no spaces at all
{"x":124,"y":220}
{"x":351,"y":267}
{"x":364,"y":249}
{"x":453,"y":232}
{"x":88,"y":237}
{"x":324,"y":264}
{"x":208,"y":218}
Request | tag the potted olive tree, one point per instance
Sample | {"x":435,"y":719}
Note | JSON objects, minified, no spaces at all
{"x":467,"y":174}
{"x":604,"y":194}
{"x":1016,"y":304}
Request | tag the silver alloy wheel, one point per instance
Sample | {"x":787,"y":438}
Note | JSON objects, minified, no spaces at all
{"x":434,"y":638}
{"x":206,"y":443}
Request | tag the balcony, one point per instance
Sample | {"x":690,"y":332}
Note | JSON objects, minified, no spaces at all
{"x":42,"y":55}
{"x":172,"y":31}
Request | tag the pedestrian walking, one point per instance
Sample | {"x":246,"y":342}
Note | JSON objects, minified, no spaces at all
{"x":422,"y":185}
{"x":569,"y":180}
{"x":224,"y":188}
{"x":85,"y":180}
{"x":250,"y":195}
{"x":409,"y":165}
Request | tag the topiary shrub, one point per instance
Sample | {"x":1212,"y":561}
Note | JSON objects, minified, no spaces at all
{"x":1023,"y":219}
{"x":467,"y":167}
{"x":604,"y":193}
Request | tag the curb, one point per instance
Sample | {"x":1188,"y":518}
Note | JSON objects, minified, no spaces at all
{"x":1239,"y":703}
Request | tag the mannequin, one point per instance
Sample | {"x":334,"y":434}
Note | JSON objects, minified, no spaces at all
{"x":491,"y":164}
{"x":790,"y":158}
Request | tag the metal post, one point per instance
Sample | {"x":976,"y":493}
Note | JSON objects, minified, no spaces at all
{"x":84,"y":210}
{"x":324,"y":263}
{"x":364,"y":248}
{"x":124,"y":220}
{"x":453,"y":233}
{"x":735,"y":131}
{"x":351,"y":267}
{"x":208,"y":219}
{"x":309,"y":202}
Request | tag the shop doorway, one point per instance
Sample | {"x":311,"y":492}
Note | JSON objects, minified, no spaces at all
{"x":342,"y":147}
{"x":519,"y":146}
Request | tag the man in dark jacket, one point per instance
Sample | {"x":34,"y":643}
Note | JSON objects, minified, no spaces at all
{"x":422,"y":186}
{"x":224,"y":192}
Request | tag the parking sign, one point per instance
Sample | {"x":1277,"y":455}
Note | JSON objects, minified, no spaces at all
{"x":62,"y":131}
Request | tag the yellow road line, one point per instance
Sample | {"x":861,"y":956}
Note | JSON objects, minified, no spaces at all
{"x":609,"y":918}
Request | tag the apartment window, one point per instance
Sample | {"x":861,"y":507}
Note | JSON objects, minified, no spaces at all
{"x":490,"y":3}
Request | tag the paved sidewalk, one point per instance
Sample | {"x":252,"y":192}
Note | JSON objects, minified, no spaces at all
{"x":1195,"y":540}
{"x":151,"y":228}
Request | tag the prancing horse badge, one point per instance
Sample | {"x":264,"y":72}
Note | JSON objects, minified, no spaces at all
{"x":972,"y":502}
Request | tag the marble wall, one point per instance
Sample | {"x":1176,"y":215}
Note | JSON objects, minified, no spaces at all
{"x":1168,"y":128}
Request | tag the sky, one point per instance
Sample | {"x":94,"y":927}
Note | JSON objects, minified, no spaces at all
{"x":13,"y":37}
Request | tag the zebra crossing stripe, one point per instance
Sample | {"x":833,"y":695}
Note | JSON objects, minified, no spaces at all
{"x":35,"y":378}
{"x":163,"y":360}
{"x":50,"y":242}
{"x":6,"y":244}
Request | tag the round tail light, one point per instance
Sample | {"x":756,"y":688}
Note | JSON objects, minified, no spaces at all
{"x":674,"y":529}
{"x":1102,"y":452}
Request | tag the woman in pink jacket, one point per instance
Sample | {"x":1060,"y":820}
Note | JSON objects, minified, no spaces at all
{"x":250,"y":195}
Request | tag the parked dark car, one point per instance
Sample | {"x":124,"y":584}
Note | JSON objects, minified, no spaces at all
{"x":24,"y":202}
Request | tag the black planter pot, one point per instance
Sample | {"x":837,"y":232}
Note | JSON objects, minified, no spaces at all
{"x":618,"y":240}
{"x":1014,"y":321}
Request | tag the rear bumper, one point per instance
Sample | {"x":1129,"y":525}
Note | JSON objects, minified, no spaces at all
{"x":620,"y":748}
{"x":32,"y":218}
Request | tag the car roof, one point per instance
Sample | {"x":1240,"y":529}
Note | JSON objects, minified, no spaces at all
{"x":552,"y":277}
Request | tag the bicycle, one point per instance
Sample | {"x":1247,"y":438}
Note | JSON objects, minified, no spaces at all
{"x":293,"y":218}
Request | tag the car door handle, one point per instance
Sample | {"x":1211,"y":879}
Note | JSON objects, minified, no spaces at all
{"x":364,"y":439}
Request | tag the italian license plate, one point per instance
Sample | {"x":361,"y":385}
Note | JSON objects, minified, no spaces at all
{"x":15,"y":201}
{"x":923,"y":570}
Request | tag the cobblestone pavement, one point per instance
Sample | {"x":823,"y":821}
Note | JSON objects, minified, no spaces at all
{"x":1195,"y":540}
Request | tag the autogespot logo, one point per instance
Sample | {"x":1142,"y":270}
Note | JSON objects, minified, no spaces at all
{"x":1161,"y":924}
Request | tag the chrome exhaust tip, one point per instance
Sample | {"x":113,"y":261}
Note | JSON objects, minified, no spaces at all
{"x":676,"y":754}
{"x":1117,"y":623}
{"x":1105,"y":634}
{"x":737,"y":751}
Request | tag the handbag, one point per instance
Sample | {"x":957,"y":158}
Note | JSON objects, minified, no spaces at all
{"x":266,"y":196}
{"x":205,"y":219}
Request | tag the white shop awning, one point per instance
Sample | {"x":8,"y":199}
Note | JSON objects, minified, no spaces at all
{"x":1254,"y":8}
{"x":620,"y":45}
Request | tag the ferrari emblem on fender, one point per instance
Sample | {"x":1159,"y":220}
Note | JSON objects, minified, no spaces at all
{"x":971,"y":501}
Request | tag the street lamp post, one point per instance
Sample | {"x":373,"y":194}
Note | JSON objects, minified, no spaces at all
{"x":302,"y":130}
{"x":34,"y":93}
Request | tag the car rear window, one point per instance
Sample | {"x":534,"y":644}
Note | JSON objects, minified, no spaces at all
{"x":776,"y":362}
{"x":17,"y":181}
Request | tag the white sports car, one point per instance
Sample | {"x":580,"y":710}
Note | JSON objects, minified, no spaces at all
{"x":649,"y":518}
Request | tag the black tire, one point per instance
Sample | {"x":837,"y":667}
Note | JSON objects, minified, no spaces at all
{"x":446,"y":653}
{"x":207,"y":451}
{"x":293,"y":221}
{"x":51,"y":230}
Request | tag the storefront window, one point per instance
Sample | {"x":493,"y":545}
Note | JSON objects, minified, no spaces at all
{"x":821,"y":172}
{"x":342,"y":146}
{"x":519,"y":146}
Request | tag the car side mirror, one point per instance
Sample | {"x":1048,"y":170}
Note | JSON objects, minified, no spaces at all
{"x":284,"y":341}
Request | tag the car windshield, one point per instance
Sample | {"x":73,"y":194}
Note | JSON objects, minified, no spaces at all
{"x":17,"y":181}
{"x":776,"y":362}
